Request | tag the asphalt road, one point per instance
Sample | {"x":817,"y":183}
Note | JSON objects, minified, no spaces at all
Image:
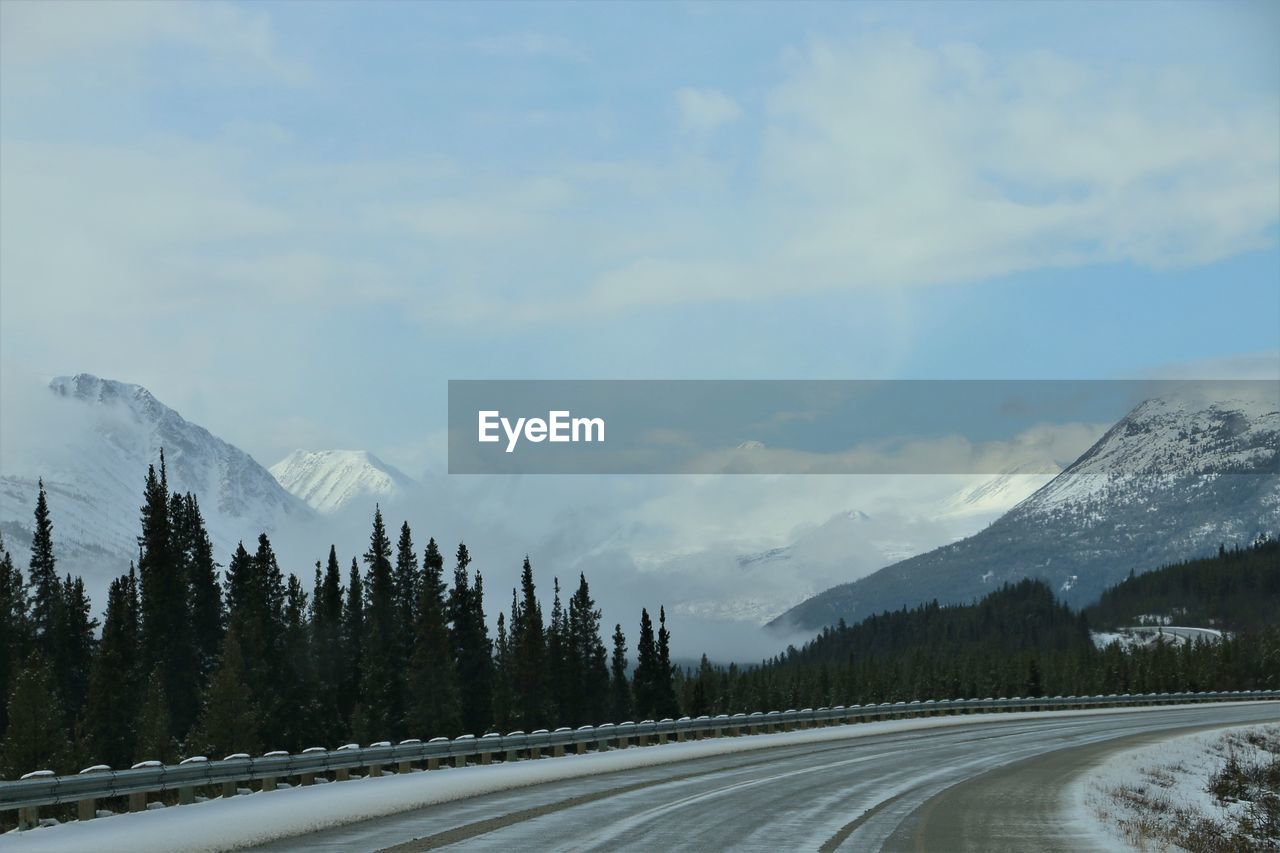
{"x":990,"y":786}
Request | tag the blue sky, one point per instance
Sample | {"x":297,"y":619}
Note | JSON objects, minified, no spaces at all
{"x":295,"y":221}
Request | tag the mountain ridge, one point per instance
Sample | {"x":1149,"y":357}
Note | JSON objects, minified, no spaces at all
{"x":1170,"y":480}
{"x":330,"y":480}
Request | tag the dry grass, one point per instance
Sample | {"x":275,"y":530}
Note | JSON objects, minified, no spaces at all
{"x":1245,"y":789}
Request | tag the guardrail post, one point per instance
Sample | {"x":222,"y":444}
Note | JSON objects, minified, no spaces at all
{"x":138,"y":801}
{"x":228,"y":790}
{"x":87,"y":809}
{"x":486,"y":757}
{"x":306,"y":779}
{"x":582,"y":747}
{"x":342,"y":774}
{"x":29,"y":817}
{"x":404,"y":767}
{"x":557,"y":751}
{"x":186,"y":796}
{"x":268,"y":783}
{"x":433,"y":763}
{"x":459,"y":761}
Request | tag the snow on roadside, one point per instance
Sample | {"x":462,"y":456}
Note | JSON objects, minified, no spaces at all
{"x":1145,"y":796}
{"x":243,"y":821}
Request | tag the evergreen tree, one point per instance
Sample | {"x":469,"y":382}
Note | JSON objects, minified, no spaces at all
{"x":155,"y":743}
{"x":15,"y":631}
{"x":407,"y":582}
{"x":529,"y":655}
{"x":434,"y":703}
{"x":113,"y":703}
{"x":619,"y":688}
{"x":559,"y":676}
{"x":472,"y":649}
{"x":503,"y":696}
{"x":46,"y":588}
{"x":664,"y":690}
{"x":240,"y":583}
{"x":302,"y":726}
{"x":380,"y":690}
{"x":74,"y":646}
{"x":208,"y":618}
{"x":35,"y":738}
{"x":353,"y":641}
{"x":228,"y":720}
{"x":646,"y":675}
{"x":166,"y":628}
{"x":588,"y":666}
{"x":329,"y":649}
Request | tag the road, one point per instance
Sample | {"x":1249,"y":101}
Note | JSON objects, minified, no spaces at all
{"x":990,"y":786}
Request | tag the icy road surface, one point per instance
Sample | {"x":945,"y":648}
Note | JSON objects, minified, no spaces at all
{"x":984,"y":782}
{"x":987,"y":786}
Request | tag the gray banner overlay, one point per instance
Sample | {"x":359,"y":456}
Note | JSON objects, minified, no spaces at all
{"x":830,"y":426}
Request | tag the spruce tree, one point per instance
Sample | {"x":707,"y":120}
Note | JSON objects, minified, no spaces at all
{"x":155,"y":741}
{"x":166,"y":628}
{"x":74,"y":647}
{"x":434,"y":703}
{"x":529,"y":655}
{"x":228,"y":719}
{"x":353,"y":641}
{"x":46,"y":588}
{"x":329,"y":648}
{"x":646,"y":675}
{"x":303,"y":725}
{"x":619,"y":688}
{"x":472,"y":651}
{"x":35,"y":737}
{"x":208,"y":619}
{"x":503,"y":695}
{"x":587,"y":659}
{"x":380,"y":690}
{"x":15,"y":630}
{"x":407,"y":582}
{"x":113,"y":703}
{"x":559,"y":677}
{"x":664,"y":689}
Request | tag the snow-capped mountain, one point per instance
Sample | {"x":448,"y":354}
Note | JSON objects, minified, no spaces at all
{"x":92,"y":442}
{"x":1173,"y":479}
{"x":329,"y":480}
{"x":991,"y":497}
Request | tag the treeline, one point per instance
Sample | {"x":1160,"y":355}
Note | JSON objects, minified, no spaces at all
{"x":1237,"y":590}
{"x":191,"y":664}
{"x":1017,"y":641}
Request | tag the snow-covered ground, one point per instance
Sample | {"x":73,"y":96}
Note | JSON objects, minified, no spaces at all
{"x":223,"y":824}
{"x":1141,"y":798}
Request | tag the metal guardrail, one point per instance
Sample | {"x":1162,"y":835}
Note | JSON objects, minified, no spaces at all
{"x":42,"y":788}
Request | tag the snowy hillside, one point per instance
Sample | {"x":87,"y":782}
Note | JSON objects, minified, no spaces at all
{"x":94,"y":441}
{"x":848,"y":544}
{"x":991,"y":497}
{"x":329,"y":480}
{"x":1171,"y":480}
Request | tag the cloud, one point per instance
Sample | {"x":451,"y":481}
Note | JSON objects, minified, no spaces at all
{"x":62,"y":31}
{"x":1039,"y":446}
{"x":705,"y":110}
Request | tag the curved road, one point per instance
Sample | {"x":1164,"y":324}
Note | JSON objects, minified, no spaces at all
{"x":988,"y":786}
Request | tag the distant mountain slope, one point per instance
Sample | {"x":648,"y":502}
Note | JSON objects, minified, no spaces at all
{"x":328,"y":480}
{"x":102,"y":435}
{"x":1168,"y":481}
